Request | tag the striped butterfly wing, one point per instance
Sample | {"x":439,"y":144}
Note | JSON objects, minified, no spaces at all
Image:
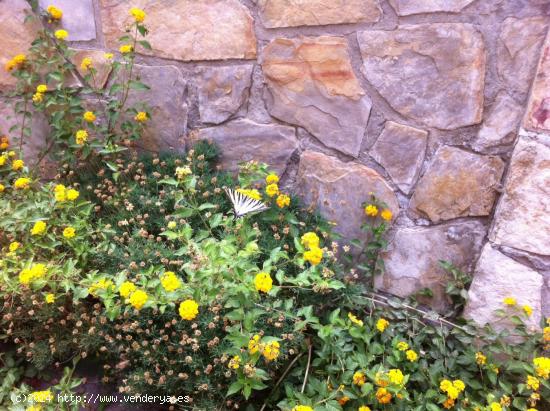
{"x":243,"y":205}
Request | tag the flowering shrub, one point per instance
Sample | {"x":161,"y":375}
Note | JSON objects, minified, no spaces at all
{"x":138,"y":263}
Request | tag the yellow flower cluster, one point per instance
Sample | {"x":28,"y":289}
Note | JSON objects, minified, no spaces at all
{"x":4,"y":142}
{"x":412,"y":356}
{"x":395,"y":376}
{"x":61,"y":34}
{"x":16,"y":62}
{"x":383,"y":395}
{"x":126,"y":288}
{"x":452,"y":389}
{"x":17,"y":165}
{"x":63,"y":194}
{"x":54,"y":12}
{"x":182,"y":172}
{"x":14,"y":245}
{"x":263,"y":282}
{"x":302,"y":408}
{"x":126,"y":48}
{"x":50,"y":298}
{"x":138,"y":299}
{"x":532,"y":382}
{"x":355,"y":320}
{"x":89,"y":116}
{"x":189,"y":309}
{"x":22,"y":183}
{"x":481,"y":359}
{"x":141,"y":117}
{"x":282,"y":201}
{"x":510,"y":301}
{"x":81,"y":137}
{"x":102,"y":284}
{"x":169,"y":281}
{"x":253,"y":194}
{"x":138,"y":14}
{"x":254,"y":345}
{"x":359,"y":378}
{"x":363,"y":408}
{"x":382,"y":324}
{"x":402,"y":346}
{"x":542,"y":366}
{"x":234,"y":363}
{"x":39,"y":228}
{"x":371,"y":210}
{"x":314,"y":254}
{"x":28,"y":275}
{"x":69,"y":232}
{"x":86,"y":63}
{"x":271,"y":350}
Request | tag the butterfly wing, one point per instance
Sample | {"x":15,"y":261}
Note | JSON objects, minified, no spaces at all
{"x":243,"y":205}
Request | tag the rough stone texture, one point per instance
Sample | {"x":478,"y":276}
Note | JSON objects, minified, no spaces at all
{"x":287,"y":13}
{"x":457,"y":184}
{"x":15,"y":35}
{"x":501,"y":123}
{"x":518,"y":50}
{"x":245,"y":140}
{"x":497,"y":277}
{"x":78,"y":18}
{"x":432,"y":73}
{"x":312,"y":84}
{"x":412,"y":259}
{"x":522,"y":219}
{"x":400,"y":150}
{"x":167,"y":127}
{"x":538,"y":108}
{"x":100,"y":63}
{"x":408,"y":7}
{"x":339,"y":189}
{"x":186,"y":29}
{"x":222,"y":91}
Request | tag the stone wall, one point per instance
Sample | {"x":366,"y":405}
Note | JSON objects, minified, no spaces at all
{"x":440,"y":107}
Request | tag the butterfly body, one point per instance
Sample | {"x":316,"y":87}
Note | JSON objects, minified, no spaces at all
{"x":243,"y":205}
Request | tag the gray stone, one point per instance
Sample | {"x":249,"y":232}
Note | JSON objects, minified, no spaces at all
{"x":458,"y":184}
{"x":338,"y":190}
{"x":168,"y":124}
{"x":518,"y":50}
{"x":431,"y":73}
{"x":400,"y":149}
{"x":222,"y":91}
{"x":78,"y":18}
{"x":408,"y":7}
{"x":245,"y":140}
{"x":413,"y":256}
{"x":537,"y":117}
{"x":497,"y":277}
{"x":311,"y":83}
{"x":522,"y":219}
{"x":500,"y":125}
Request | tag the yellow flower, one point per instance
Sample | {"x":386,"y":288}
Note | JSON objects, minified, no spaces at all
{"x":272,"y":179}
{"x":533,"y":382}
{"x":61,"y":34}
{"x":81,"y":137}
{"x":17,"y":165}
{"x":449,"y":403}
{"x":371,"y":210}
{"x":126,"y":288}
{"x":69,"y":232}
{"x":172,"y":225}
{"x":302,"y":408}
{"x":22,"y":183}
{"x":41,"y":88}
{"x":510,"y":301}
{"x":3,"y":159}
{"x":181,"y":172}
{"x":542,"y":367}
{"x":108,"y":56}
{"x":141,"y":117}
{"x":10,"y":65}
{"x":402,"y":346}
{"x":86,"y":63}
{"x":50,"y":298}
{"x":545,"y":331}
{"x":38,"y":97}
{"x":138,"y":14}
{"x":355,"y":320}
{"x":138,"y":299}
{"x":386,"y":214}
{"x":42,"y":396}
{"x":253,"y":194}
{"x":271,"y":351}
{"x":35,"y":407}
{"x":412,"y":356}
{"x":444,"y":385}
{"x":60,"y":193}
{"x":102,"y":284}
{"x":39,"y":228}
{"x":170,"y":281}
{"x":283,"y":201}
{"x":396,"y":376}
{"x":314,"y":256}
{"x":359,"y":378}
{"x":310,"y":240}
{"x":189,"y":310}
{"x":254,"y":344}
{"x":459,"y":385}
{"x":383,"y":396}
{"x":363,"y":408}
{"x":54,"y":12}
{"x":4,"y":143}
{"x":382,"y":324}
{"x":2,"y":188}
{"x":14,"y":245}
{"x":263,"y":282}
{"x":234,"y":363}
{"x":480,"y":358}
{"x":29,"y":274}
{"x":527,"y":310}
{"x":452,"y":392}
{"x":89,"y":116}
{"x":72,"y":194}
{"x":126,"y":48}
{"x":272,"y":190}
{"x":495,"y":406}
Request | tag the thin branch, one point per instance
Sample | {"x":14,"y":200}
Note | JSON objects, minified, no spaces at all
{"x":281,"y":378}
{"x":308,"y":365}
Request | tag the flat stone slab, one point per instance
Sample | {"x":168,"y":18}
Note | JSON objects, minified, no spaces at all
{"x":78,"y":18}
{"x":537,"y":117}
{"x":431,"y":73}
{"x":408,"y":7}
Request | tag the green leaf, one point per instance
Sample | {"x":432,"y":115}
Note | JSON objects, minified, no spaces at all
{"x":145,"y":44}
{"x":138,"y":85}
{"x":234,"y":388}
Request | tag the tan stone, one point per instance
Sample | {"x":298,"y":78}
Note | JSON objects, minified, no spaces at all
{"x":288,"y":13}
{"x":431,"y":73}
{"x":522,"y":219}
{"x":311,"y":84}
{"x":518,"y":50}
{"x":458,"y":184}
{"x":338,"y":190}
{"x":186,"y":30}
{"x":537,"y":117}
{"x":412,"y":260}
{"x":245,"y":140}
{"x":408,"y":7}
{"x":15,"y":35}
{"x":400,"y":149}
{"x":100,"y":63}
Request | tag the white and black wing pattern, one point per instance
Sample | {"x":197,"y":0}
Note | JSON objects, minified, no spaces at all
{"x":243,"y":205}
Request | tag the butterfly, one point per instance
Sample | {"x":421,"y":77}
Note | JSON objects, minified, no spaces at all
{"x":243,"y":205}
